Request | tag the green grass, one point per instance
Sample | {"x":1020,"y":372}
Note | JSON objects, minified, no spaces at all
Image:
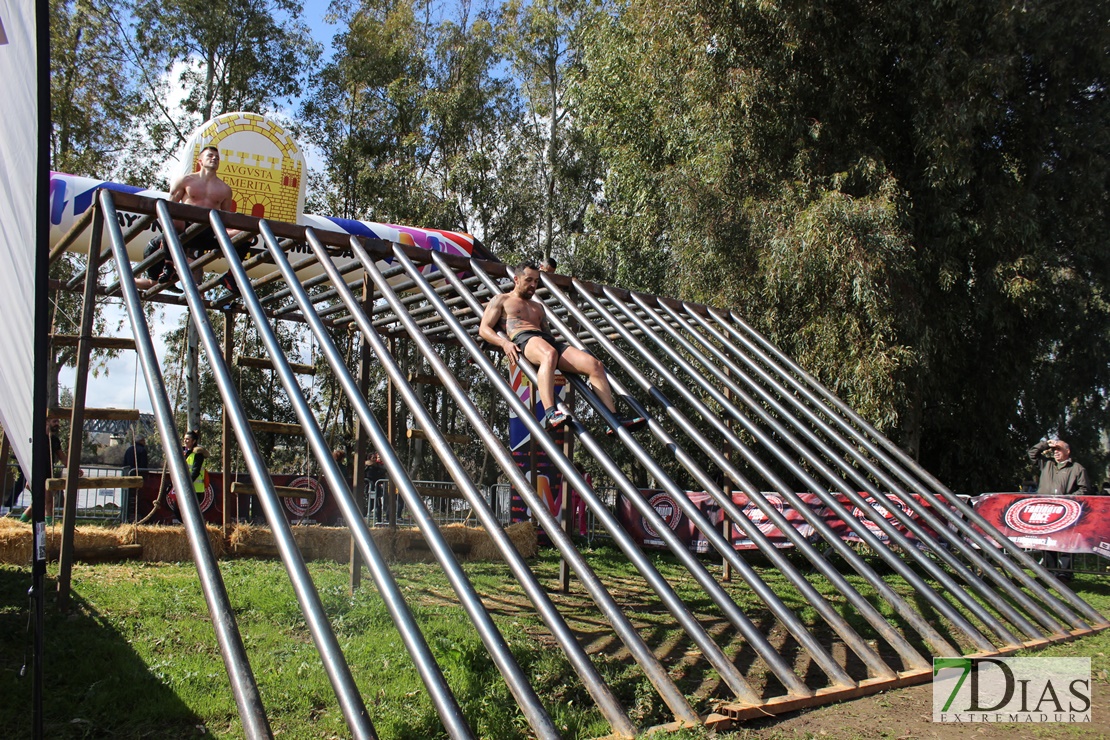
{"x":136,"y":656}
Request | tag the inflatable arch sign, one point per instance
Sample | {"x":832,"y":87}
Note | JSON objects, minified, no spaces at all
{"x":266,"y":171}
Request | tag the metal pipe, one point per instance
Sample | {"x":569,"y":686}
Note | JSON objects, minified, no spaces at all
{"x":243,"y":686}
{"x":832,"y":617}
{"x":961,"y":520}
{"x":780,"y":487}
{"x":607,"y":520}
{"x":789,"y":620}
{"x":892,"y":532}
{"x":429,"y":671}
{"x":335,"y":665}
{"x":607,"y":703}
{"x":978,"y":561}
{"x":499,"y":651}
{"x":913,"y":618}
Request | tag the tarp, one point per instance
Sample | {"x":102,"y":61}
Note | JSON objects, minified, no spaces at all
{"x":18,"y":165}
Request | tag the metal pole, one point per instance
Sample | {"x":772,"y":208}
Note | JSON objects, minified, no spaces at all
{"x":963,"y":516}
{"x":704,"y":579}
{"x":655,"y":672}
{"x":913,"y":618}
{"x":251,"y":711}
{"x":578,"y":658}
{"x":350,"y":702}
{"x":226,"y":432}
{"x":906,"y":520}
{"x":830,"y":501}
{"x":499,"y":650}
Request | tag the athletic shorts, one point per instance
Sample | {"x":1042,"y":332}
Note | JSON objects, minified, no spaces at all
{"x":204,"y":241}
{"x":521,"y":340}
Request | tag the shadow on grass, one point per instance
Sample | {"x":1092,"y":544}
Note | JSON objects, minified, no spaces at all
{"x":94,"y":684}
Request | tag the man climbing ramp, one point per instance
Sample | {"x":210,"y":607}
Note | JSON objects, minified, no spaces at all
{"x":525,"y":325}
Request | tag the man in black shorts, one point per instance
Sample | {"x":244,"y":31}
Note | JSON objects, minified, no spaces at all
{"x":524,"y":324}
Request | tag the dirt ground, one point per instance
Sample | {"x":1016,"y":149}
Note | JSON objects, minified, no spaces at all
{"x":906,"y":714}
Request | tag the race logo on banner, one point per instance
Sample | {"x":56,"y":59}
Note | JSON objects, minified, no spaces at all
{"x":311,"y":503}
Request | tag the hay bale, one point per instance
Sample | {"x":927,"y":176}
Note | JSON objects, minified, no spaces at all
{"x":169,"y":544}
{"x":15,"y":542}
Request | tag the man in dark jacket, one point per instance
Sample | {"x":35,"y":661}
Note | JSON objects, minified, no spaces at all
{"x":1059,"y":476}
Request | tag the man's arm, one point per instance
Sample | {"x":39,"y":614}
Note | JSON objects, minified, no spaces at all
{"x":1036,"y":451}
{"x":177,"y":189}
{"x":487,"y":330}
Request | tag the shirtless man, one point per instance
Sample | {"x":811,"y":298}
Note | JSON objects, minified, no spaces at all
{"x":202,"y":188}
{"x":525,"y":324}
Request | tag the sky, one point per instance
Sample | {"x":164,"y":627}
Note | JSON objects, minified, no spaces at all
{"x":119,"y":382}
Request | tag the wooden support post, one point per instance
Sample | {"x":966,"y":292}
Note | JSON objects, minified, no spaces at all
{"x":226,"y":433}
{"x":566,"y":512}
{"x":364,"y":359}
{"x":77,"y":419}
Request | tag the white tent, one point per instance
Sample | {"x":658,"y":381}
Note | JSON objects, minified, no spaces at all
{"x":18,"y":168}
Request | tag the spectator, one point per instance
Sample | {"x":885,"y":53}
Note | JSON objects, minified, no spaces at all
{"x":1059,"y":476}
{"x":135,"y":460}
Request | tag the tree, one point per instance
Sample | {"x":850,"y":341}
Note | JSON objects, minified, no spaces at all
{"x":91,"y":97}
{"x":237,"y":55}
{"x":540,"y":39}
{"x":908,"y":198}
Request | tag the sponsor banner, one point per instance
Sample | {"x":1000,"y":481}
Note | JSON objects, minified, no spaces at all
{"x":1054,"y":523}
{"x":317,"y":507}
{"x":695,"y":541}
{"x":1011,"y":690}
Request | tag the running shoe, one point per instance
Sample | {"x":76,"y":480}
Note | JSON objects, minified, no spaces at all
{"x":555,"y":418}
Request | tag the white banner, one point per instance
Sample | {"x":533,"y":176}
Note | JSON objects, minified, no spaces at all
{"x":18,"y":169}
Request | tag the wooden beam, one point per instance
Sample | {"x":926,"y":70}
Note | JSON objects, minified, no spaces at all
{"x":130,"y":481}
{"x":276,"y":427}
{"x":246,"y":489}
{"x":104,"y":414}
{"x":455,"y":439}
{"x":70,"y":340}
{"x":266,"y":363}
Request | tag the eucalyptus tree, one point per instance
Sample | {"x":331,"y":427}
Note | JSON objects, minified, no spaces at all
{"x":250,"y":55}
{"x":910,"y":198}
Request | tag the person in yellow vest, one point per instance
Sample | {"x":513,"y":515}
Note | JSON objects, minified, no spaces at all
{"x":194,"y":459}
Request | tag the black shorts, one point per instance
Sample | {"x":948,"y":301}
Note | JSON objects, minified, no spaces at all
{"x":204,"y":241}
{"x":521,"y":340}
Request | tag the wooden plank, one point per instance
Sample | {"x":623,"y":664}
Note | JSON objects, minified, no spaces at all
{"x":70,"y":340}
{"x":266,"y":363}
{"x":455,"y":439}
{"x":246,"y":489}
{"x":105,"y":414}
{"x":130,"y":481}
{"x":275,"y":427}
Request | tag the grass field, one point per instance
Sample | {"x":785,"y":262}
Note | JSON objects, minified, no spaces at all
{"x":136,"y":655}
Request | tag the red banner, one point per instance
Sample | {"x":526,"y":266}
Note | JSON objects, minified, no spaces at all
{"x":667,"y":508}
{"x":317,"y":507}
{"x":1053,"y":523}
